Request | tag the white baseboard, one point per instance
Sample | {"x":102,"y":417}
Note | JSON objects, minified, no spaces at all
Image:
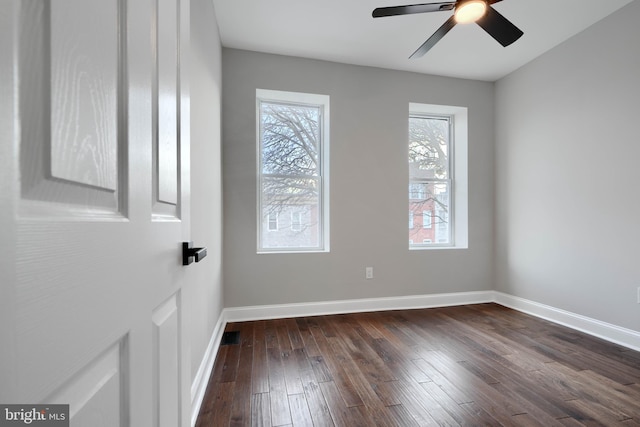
{"x":615,"y":334}
{"x":279,"y":311}
{"x":199,"y":385}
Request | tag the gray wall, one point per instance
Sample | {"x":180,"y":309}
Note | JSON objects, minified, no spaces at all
{"x":567,"y":174}
{"x":204,"y":293}
{"x":369,"y":173}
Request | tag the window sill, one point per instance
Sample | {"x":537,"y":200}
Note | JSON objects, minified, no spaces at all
{"x":433,"y":248}
{"x":303,"y":251}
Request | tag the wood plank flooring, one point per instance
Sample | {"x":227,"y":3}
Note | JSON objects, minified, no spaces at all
{"x":476,"y":365}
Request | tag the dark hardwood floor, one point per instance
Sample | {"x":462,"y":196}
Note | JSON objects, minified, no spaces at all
{"x":477,"y":365}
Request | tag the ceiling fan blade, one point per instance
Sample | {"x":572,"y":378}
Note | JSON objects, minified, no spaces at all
{"x":412,"y":8}
{"x":435,"y":38}
{"x":499,"y":27}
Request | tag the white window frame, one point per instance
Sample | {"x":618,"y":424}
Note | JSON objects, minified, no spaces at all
{"x":297,"y":98}
{"x":458,"y":169}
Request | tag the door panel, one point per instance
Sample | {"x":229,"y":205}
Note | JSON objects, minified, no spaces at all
{"x":167,"y":81}
{"x":72,"y":96}
{"x":95,"y":394}
{"x":84,"y":92}
{"x":165,"y":358}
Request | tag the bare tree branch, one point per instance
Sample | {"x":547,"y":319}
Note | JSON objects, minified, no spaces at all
{"x":290,"y":143}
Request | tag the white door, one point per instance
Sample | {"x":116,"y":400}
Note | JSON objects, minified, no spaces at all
{"x":94,"y":205}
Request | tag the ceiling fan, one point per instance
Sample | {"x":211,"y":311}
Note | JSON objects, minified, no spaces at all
{"x":465,"y":11}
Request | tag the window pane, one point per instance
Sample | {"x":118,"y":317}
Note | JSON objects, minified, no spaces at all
{"x":441,"y":218}
{"x":429,"y":147}
{"x":290,"y":139}
{"x":296,"y":203}
{"x":292,"y":171}
{"x":429,"y":213}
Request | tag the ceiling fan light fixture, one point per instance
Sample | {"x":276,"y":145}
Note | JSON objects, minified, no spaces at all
{"x":470,"y":11}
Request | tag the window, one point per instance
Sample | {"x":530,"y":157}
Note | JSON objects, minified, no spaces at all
{"x":296,"y":221}
{"x":273,"y":222}
{"x":436,"y":193}
{"x":416,"y":191}
{"x":426,"y":220}
{"x":292,"y":137}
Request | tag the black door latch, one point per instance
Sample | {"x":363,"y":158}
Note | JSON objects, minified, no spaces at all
{"x":189,"y":253}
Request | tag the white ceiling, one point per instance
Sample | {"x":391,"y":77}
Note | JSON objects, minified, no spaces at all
{"x":344,"y":31}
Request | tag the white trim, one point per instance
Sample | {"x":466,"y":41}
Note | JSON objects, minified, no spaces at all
{"x":612,"y":333}
{"x":199,"y":385}
{"x":262,"y":312}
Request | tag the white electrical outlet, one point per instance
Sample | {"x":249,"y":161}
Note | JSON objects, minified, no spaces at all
{"x":368,"y":273}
